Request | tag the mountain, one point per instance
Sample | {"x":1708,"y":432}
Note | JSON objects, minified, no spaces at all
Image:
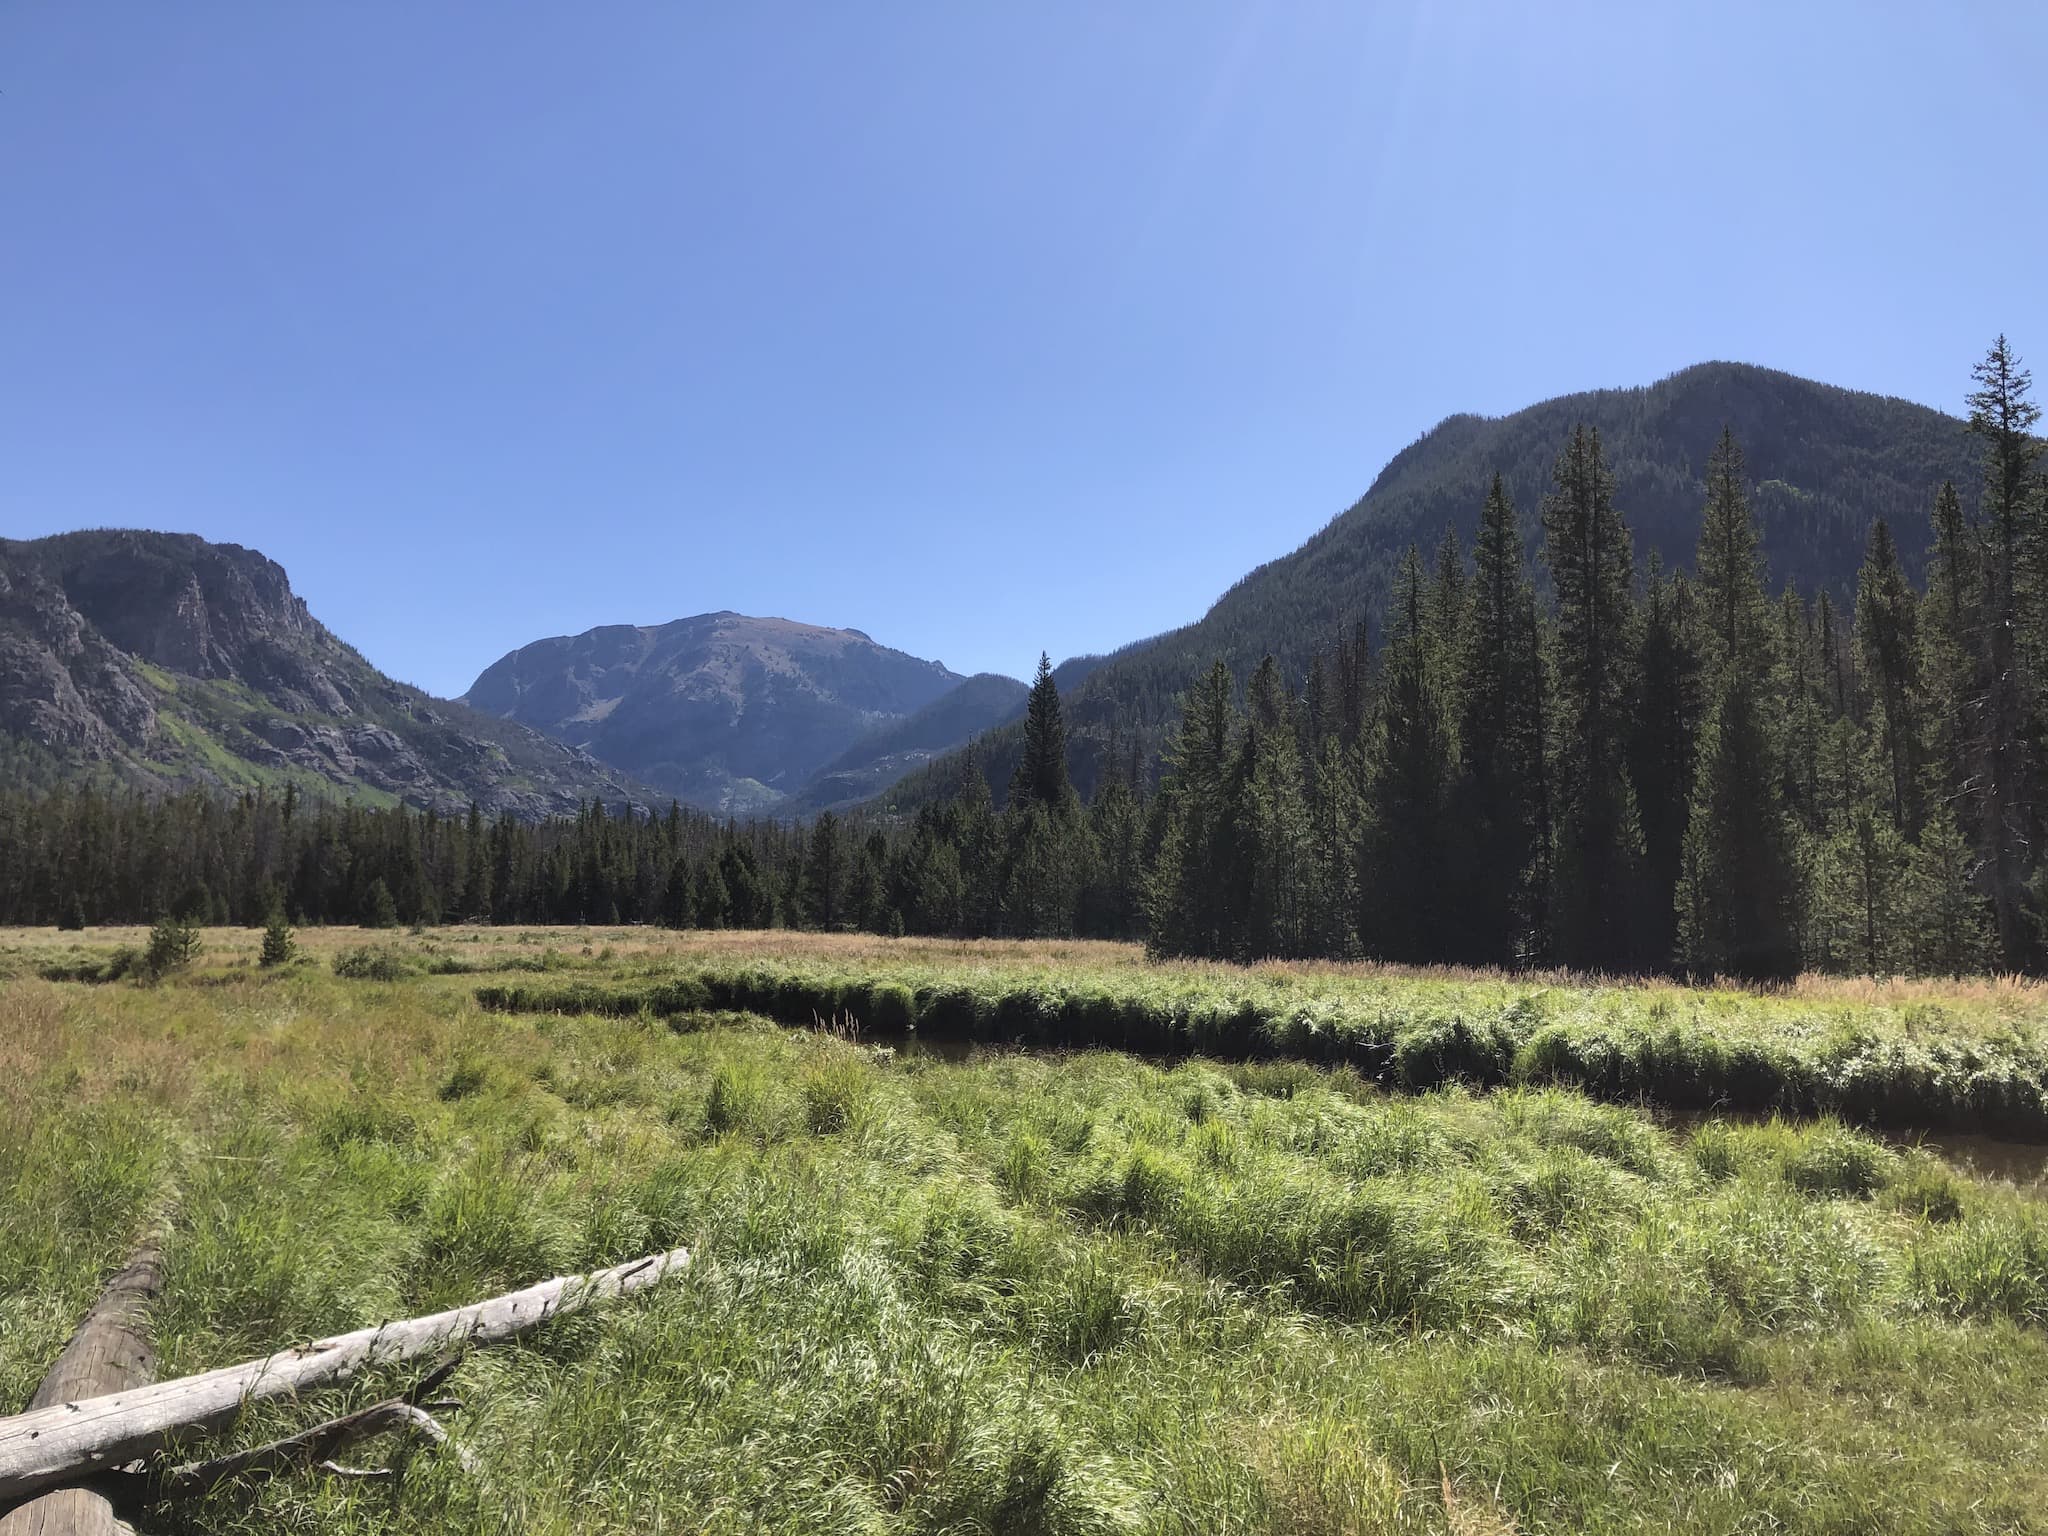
{"x":884,"y":755}
{"x":160,"y":658}
{"x":725,"y":711}
{"x":1824,"y":463}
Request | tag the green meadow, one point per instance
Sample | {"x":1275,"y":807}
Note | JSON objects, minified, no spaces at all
{"x":1044,"y":1238}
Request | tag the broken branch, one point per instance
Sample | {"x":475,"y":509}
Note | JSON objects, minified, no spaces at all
{"x":51,"y":1446}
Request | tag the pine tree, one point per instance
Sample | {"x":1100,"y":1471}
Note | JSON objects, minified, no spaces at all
{"x":1499,"y":811}
{"x":475,"y":905}
{"x":278,"y":944}
{"x":1272,"y":818}
{"x":2003,"y":414}
{"x":708,"y":899}
{"x":1946,"y":917}
{"x":1596,"y":867}
{"x":1194,"y":895}
{"x":1409,"y":850}
{"x":1663,"y":747}
{"x":1110,"y":903}
{"x":380,"y":908}
{"x":1738,"y":888}
{"x":824,"y":874}
{"x":1860,"y":878}
{"x":1949,"y":634}
{"x":1041,"y":776}
{"x":1888,"y":635}
{"x":678,"y":896}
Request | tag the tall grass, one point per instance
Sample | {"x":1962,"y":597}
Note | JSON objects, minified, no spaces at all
{"x":1914,"y":1068}
{"x":1083,"y":1293}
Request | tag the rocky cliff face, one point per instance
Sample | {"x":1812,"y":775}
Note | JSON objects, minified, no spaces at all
{"x":728,"y":712}
{"x":162,"y":658}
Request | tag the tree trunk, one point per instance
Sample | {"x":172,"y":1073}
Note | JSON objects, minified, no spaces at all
{"x":110,"y":1353}
{"x":51,"y":1446}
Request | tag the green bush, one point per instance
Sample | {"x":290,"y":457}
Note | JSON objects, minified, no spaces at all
{"x":173,"y":945}
{"x":1832,"y":1161}
{"x":367,"y":962}
{"x":834,"y":1093}
{"x":278,"y":944}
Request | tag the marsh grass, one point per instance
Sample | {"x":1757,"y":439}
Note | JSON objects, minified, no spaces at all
{"x":1078,"y":1293}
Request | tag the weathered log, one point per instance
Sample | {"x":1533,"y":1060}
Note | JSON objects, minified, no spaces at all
{"x":49,"y":1447}
{"x":110,"y":1352}
{"x":310,"y":1447}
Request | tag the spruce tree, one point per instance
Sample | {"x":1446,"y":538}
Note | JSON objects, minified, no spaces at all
{"x":380,"y":908}
{"x":2003,"y":414}
{"x":1738,"y":888}
{"x":1041,"y":776}
{"x":1194,"y":896}
{"x":1888,"y":636}
{"x":1272,"y":818}
{"x":825,"y":873}
{"x":1596,"y":867}
{"x":1948,"y":920}
{"x":1503,"y":783}
{"x":278,"y":944}
{"x":1662,"y":751}
{"x":1408,"y":913}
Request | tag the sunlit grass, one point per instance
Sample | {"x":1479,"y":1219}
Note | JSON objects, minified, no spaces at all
{"x":1076,"y":1293}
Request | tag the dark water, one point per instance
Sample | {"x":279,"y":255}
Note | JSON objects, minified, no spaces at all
{"x":909,"y":1045}
{"x":2021,"y":1162}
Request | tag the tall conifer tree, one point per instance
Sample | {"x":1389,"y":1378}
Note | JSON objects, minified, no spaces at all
{"x":1504,"y":779}
{"x":1738,"y":890}
{"x":1599,"y":842}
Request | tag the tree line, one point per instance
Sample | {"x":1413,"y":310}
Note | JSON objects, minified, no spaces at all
{"x":1647,"y":771}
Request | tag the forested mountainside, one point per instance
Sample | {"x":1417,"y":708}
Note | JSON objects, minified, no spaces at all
{"x":723,"y":711}
{"x":161,"y":659}
{"x":1823,"y":464}
{"x":1640,"y":772}
{"x":886,"y":754}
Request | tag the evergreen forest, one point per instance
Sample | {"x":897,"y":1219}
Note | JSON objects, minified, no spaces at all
{"x":1640,"y":770}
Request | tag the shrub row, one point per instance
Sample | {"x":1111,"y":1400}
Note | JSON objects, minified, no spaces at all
{"x":663,"y":999}
{"x":1961,"y":1084}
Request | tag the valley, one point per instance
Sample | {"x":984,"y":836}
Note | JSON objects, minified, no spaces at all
{"x":1073,"y":1291}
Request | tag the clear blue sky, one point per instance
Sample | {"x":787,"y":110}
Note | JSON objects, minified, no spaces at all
{"x":983,"y":328}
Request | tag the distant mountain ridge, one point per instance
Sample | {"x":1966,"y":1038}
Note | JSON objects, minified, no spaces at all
{"x":161,"y":658}
{"x":884,"y":755}
{"x":1823,"y":462}
{"x":729,"y":712}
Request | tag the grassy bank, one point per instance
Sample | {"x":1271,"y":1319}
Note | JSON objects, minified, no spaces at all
{"x":1911,"y":1065}
{"x":1072,"y":1294}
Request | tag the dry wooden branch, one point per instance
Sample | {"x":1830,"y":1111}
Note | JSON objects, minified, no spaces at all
{"x":48,"y":1447}
{"x":309,"y":1446}
{"x":109,"y":1353}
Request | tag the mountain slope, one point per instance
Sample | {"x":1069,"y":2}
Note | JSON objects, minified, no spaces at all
{"x":728,"y":712}
{"x":883,"y":756}
{"x":1823,"y":462}
{"x":160,"y":658}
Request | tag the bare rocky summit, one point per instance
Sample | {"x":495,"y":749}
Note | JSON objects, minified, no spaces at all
{"x":162,"y":658}
{"x":728,"y":712}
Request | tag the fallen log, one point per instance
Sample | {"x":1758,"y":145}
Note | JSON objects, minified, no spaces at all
{"x":110,"y":1352}
{"x":315,"y":1446}
{"x":64,"y":1443}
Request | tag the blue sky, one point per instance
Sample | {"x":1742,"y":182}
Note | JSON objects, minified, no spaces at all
{"x":983,"y":328}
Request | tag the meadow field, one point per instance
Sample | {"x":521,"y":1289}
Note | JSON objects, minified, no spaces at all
{"x":993,"y":1237}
